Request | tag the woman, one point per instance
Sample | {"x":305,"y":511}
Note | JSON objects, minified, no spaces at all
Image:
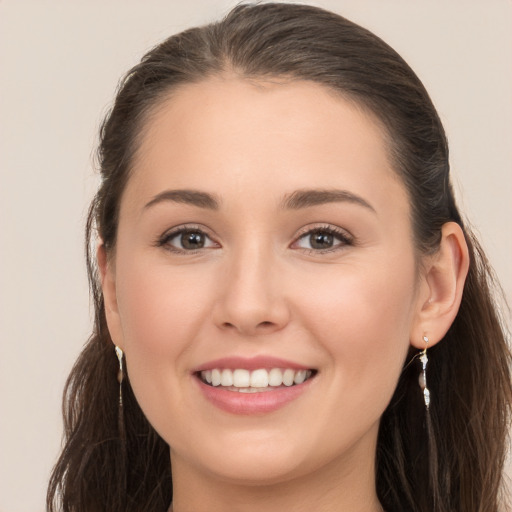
{"x":287,"y":299}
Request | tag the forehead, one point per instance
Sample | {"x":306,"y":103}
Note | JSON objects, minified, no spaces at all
{"x":265,"y":136}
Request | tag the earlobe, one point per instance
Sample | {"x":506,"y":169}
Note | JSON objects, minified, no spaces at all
{"x":108,"y":286}
{"x":442,"y":287}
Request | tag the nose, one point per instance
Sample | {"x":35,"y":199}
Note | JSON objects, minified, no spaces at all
{"x":251,"y":299}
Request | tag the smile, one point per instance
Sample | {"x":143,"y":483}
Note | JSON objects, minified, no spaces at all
{"x":256,"y":385}
{"x":256,"y":381}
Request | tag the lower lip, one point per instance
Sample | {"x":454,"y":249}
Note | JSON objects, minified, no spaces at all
{"x":236,"y":402}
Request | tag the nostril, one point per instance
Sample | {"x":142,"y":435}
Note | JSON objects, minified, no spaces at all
{"x":264,"y":327}
{"x":261,"y":325}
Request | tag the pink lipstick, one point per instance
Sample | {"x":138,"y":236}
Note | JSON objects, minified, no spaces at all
{"x":252,"y":385}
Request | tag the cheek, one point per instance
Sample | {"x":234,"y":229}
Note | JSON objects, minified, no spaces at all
{"x":161,"y":311}
{"x":362,"y":320}
{"x":159,"y":308}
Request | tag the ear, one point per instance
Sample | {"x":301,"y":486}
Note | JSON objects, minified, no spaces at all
{"x":108,"y":286}
{"x":441,"y":287}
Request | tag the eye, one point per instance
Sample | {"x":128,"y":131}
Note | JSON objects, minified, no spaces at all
{"x":323,"y":239}
{"x":186,"y":239}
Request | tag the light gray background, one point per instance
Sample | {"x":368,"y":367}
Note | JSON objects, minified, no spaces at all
{"x":59,"y":64}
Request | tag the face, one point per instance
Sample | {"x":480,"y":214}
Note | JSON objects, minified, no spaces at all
{"x":263,"y":236}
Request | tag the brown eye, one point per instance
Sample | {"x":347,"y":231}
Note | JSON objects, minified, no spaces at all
{"x":321,"y":240}
{"x":192,"y":240}
{"x":187,"y":240}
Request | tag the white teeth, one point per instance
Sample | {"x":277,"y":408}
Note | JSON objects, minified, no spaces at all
{"x":249,"y":382}
{"x":241,"y":378}
{"x":288,"y":377}
{"x":216,"y":377}
{"x":226,"y":378}
{"x":275,"y":377}
{"x":249,"y":390}
{"x":259,"y":379}
{"x":300,"y":377}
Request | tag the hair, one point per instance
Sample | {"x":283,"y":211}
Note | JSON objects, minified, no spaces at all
{"x":445,"y":460}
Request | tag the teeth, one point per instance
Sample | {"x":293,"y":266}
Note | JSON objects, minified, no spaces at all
{"x":259,"y":379}
{"x":288,"y":377}
{"x":299,"y":377}
{"x":216,"y":377}
{"x":241,"y":378}
{"x":226,"y":378}
{"x":249,"y":382}
{"x":275,"y":377}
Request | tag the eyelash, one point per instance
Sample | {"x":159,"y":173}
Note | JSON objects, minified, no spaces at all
{"x":164,"y":240}
{"x":344,"y":239}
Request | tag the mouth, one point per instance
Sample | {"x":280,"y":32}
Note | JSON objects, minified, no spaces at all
{"x":259,"y":380}
{"x":255,"y":385}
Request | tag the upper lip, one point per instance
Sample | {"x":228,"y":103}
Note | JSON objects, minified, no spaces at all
{"x":250,"y":363}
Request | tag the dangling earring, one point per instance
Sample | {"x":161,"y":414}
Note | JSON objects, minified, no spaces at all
{"x":120,"y":375}
{"x":423,"y":374}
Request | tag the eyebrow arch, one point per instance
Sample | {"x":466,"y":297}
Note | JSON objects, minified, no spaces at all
{"x":193,"y":197}
{"x":313,"y":197}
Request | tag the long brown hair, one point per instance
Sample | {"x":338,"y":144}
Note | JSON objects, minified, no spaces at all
{"x":447,"y":460}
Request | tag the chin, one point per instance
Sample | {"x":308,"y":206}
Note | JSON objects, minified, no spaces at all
{"x":259,"y":471}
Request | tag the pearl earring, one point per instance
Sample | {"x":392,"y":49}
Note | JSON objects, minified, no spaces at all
{"x":120,"y":375}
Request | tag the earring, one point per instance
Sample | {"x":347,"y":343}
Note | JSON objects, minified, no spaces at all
{"x":120,"y":374}
{"x":423,"y":374}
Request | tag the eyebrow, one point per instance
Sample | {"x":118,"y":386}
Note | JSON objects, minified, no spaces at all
{"x":294,"y":201}
{"x":313,"y":197}
{"x":193,"y":197}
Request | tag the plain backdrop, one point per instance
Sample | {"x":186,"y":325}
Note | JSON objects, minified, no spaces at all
{"x":59,"y":64}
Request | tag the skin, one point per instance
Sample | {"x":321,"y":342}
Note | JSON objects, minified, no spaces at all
{"x":257,"y":287}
